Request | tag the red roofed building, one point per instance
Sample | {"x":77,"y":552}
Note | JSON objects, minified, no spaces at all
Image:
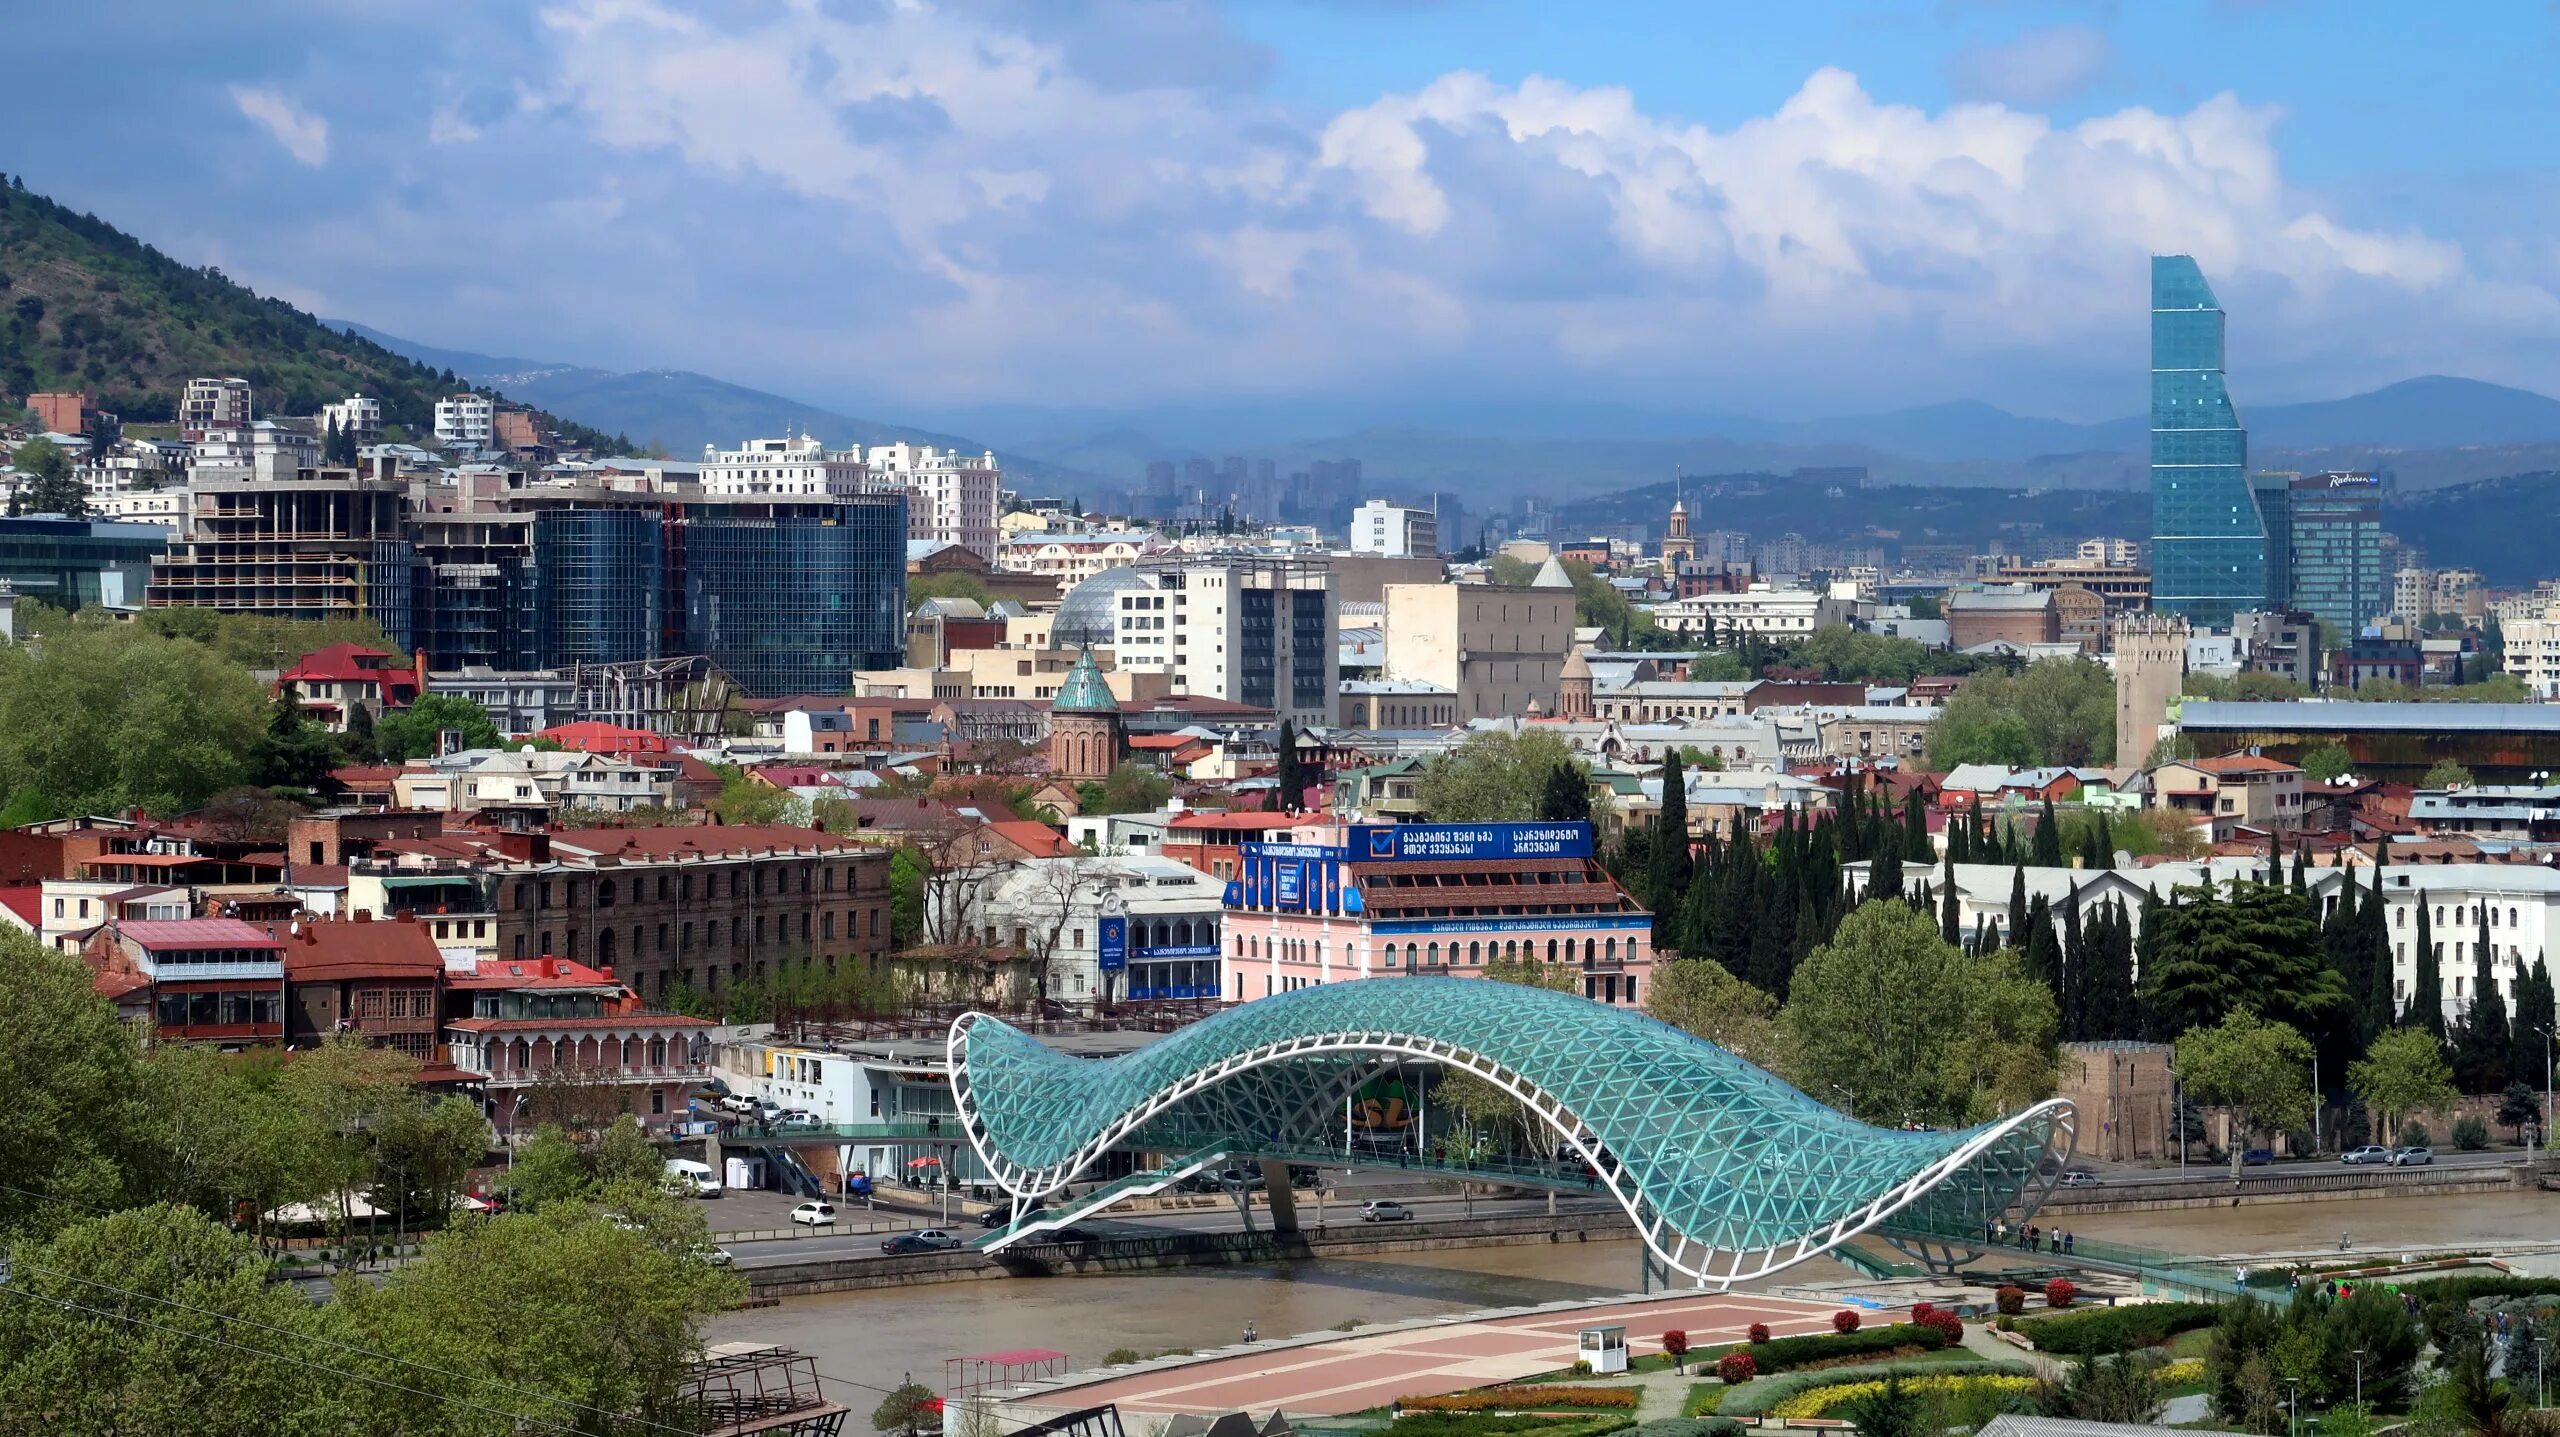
{"x":605,"y":738}
{"x":382,"y":981}
{"x":335,"y":681}
{"x":1209,"y":841}
{"x":211,"y":980}
{"x":2236,"y":790}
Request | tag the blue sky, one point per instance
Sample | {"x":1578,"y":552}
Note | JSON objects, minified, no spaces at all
{"x":911,"y":207}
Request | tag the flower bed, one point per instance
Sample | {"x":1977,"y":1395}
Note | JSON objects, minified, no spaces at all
{"x":1819,"y":1401}
{"x":2180,"y":1372}
{"x":1522,"y":1399}
{"x":1758,"y":1398}
{"x":1867,"y":1342}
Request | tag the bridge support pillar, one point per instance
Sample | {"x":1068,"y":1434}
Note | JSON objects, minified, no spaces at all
{"x":1284,"y":1198}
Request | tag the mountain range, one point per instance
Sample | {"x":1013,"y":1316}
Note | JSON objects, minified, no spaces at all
{"x":2429,"y":431}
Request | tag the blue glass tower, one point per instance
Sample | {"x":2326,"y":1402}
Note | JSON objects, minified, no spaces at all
{"x":2208,"y":539}
{"x":602,"y":575}
{"x":791,"y":598}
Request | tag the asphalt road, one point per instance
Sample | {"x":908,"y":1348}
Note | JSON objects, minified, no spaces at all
{"x":2124,"y":1176}
{"x":782,"y":1251}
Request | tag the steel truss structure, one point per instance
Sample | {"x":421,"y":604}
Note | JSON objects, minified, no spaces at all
{"x":1727,"y":1172}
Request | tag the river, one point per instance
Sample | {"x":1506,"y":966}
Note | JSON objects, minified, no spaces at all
{"x":876,"y":1337}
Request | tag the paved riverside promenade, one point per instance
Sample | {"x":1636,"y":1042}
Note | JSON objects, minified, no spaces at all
{"x":1326,"y":1375}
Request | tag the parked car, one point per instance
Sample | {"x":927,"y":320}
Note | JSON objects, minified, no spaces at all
{"x":1385,"y":1211}
{"x":2369,"y":1153}
{"x":2080,"y":1178}
{"x":2412,"y":1157}
{"x":737,"y":1103}
{"x":932,"y":1239}
{"x":814,"y":1214}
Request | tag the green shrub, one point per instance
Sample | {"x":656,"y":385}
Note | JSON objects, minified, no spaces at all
{"x":1487,"y":1424}
{"x":1758,"y":1398}
{"x":1787,"y":1352}
{"x":2471,"y":1135}
{"x":2102,"y":1330}
{"x":1687,"y":1427}
{"x":2413,"y":1134}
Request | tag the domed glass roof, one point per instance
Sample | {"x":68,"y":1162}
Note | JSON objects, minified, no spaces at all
{"x":1088,"y":616}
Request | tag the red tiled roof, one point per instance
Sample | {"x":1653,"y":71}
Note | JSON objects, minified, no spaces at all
{"x":592,"y":736}
{"x":348,"y":662}
{"x":319,"y":875}
{"x":2241,"y":763}
{"x":1037,"y":839}
{"x":197,"y":933}
{"x":707,"y":840}
{"x":331,"y":949}
{"x":608,"y":1020}
{"x":515,"y":973}
{"x":26,"y":900}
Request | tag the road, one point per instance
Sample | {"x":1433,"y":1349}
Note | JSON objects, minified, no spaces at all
{"x":777,"y":1252}
{"x":2113,"y":1175}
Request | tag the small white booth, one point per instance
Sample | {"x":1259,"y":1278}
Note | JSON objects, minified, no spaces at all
{"x":1603,"y":1348}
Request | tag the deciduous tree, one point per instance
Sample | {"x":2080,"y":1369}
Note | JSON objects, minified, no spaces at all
{"x":2258,"y":1069}
{"x":2403,"y":1073}
{"x":1701,"y":997}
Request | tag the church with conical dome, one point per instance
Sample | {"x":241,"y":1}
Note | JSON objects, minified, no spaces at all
{"x":1086,"y":737}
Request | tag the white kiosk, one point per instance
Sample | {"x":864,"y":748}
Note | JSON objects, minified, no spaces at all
{"x":1604,"y":1349}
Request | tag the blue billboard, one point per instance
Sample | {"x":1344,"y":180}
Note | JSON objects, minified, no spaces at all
{"x":1112,"y":938}
{"x":1460,"y":842}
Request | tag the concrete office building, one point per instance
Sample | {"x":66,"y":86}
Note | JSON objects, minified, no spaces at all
{"x":1379,"y":527}
{"x":1242,"y":628}
{"x":1500,"y":648}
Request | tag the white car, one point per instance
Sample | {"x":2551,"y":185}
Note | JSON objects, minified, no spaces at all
{"x":738,"y":1103}
{"x":814,"y":1214}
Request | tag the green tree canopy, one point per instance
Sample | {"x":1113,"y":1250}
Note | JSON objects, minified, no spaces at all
{"x":46,"y":484}
{"x":1701,"y":997}
{"x":103,"y":717}
{"x":1893,"y":1023}
{"x":1493,"y":777}
{"x":2260,"y":1070}
{"x":2258,"y":949}
{"x":2058,"y":711}
{"x":78,"y":1116}
{"x":2403,"y":1073}
{"x":404,"y":734}
{"x":2327,"y":763}
{"x":958,"y":585}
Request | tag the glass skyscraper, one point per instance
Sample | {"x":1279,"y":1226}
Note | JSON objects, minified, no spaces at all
{"x":791,"y":598}
{"x":2334,"y":543}
{"x":603,"y":582}
{"x":2208,"y":539}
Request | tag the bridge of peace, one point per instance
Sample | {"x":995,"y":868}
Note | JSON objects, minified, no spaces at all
{"x":1727,"y":1173}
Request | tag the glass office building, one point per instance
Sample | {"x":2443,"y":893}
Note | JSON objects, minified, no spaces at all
{"x":2208,"y":539}
{"x":75,"y":563}
{"x":602,"y":573}
{"x":2333,"y":543}
{"x":792,"y":598}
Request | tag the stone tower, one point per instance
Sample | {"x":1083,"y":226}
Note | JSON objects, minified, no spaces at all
{"x":1677,"y":545}
{"x":2151,"y":664}
{"x":1573,"y":688}
{"x":1086,"y":739}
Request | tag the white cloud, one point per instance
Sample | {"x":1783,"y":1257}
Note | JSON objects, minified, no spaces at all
{"x":2039,"y":67}
{"x":448,"y":127}
{"x":304,"y":135}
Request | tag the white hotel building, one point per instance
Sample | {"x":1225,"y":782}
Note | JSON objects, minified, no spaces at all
{"x":794,"y":468}
{"x":951,"y":496}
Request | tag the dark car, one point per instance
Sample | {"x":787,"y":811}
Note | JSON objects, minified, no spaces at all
{"x":1070,"y":1237}
{"x":2257,"y":1157}
{"x":1003,"y":1216}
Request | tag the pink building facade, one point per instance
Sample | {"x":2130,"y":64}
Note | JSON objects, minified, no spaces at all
{"x":1331,"y":902}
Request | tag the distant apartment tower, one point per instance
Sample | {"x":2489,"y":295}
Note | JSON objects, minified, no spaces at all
{"x":1246,"y":629}
{"x":357,"y":414}
{"x":2332,"y":541}
{"x":1159,"y":476}
{"x":1379,"y":527}
{"x":798,"y":467}
{"x":2115,"y":553}
{"x":2150,"y":667}
{"x":2208,"y":538}
{"x":467,"y":421}
{"x":2410,"y":590}
{"x":214,"y":404}
{"x":951,"y":497}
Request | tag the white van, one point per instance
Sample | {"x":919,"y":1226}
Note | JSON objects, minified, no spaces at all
{"x":691,"y":1178}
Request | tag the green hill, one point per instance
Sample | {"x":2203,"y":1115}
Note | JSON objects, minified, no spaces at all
{"x":85,"y":306}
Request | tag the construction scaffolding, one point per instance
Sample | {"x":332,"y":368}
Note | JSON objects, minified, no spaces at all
{"x":742,"y":1388}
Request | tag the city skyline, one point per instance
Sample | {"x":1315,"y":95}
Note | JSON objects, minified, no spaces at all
{"x":1106,"y":208}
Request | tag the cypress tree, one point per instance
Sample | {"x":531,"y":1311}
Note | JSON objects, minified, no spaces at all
{"x":1737,"y":906}
{"x":2106,"y":844}
{"x":1915,"y":829}
{"x":2533,"y":1025}
{"x":2075,"y":971}
{"x":2381,"y":970}
{"x":2044,"y":950}
{"x":2425,"y":1008}
{"x":1667,"y":867}
{"x":2146,"y":962}
{"x":2342,"y":948}
{"x":1959,"y":841}
{"x":2300,"y":883}
{"x":2121,"y":1018}
{"x":2048,"y":840}
{"x":2481,"y":1053}
{"x":1947,"y":916}
{"x":2017,"y":934}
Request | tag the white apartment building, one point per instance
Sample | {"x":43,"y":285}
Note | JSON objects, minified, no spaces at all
{"x":1761,"y":609}
{"x":2515,"y":903}
{"x":262,"y":450}
{"x":2533,"y":653}
{"x":1071,"y":558}
{"x":467,"y":420}
{"x":796,"y":467}
{"x":951,"y":497}
{"x":1165,"y":944}
{"x":166,"y":506}
{"x":1379,"y":527}
{"x":1246,"y":629}
{"x":214,"y":404}
{"x":357,"y":414}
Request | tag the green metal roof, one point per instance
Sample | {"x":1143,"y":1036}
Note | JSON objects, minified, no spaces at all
{"x":1728,"y":1172}
{"x":1084,"y":691}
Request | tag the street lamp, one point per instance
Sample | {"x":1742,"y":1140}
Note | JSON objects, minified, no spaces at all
{"x":2292,"y":1403}
{"x":2359,"y":1377}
